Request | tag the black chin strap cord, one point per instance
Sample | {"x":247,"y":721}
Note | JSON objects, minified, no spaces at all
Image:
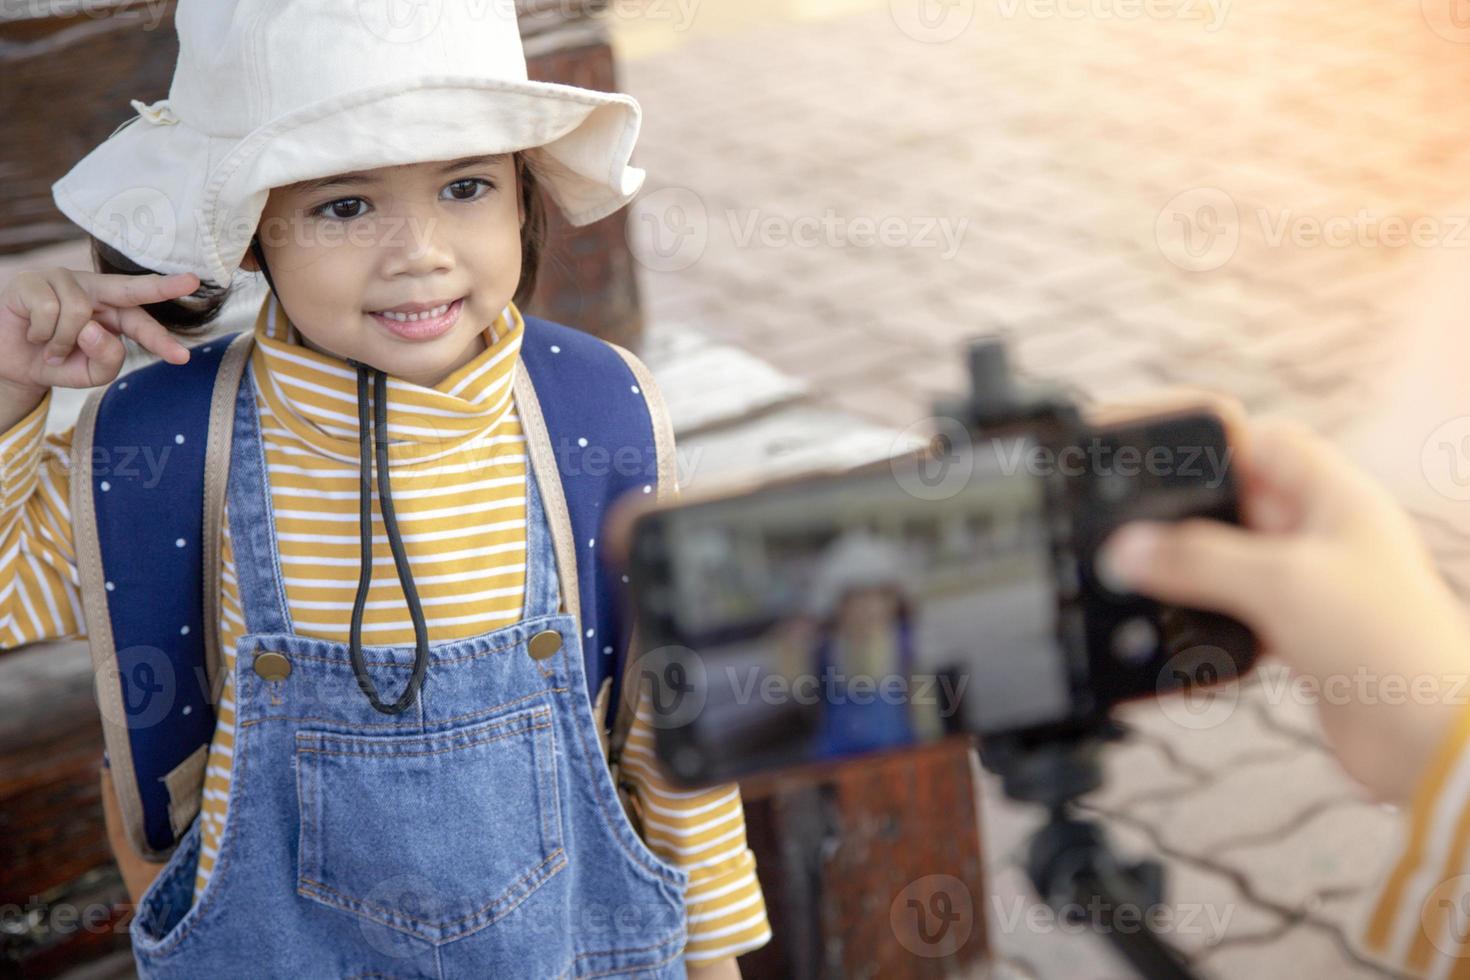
{"x":377,"y":433}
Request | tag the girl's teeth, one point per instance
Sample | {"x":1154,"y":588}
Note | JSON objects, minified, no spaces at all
{"x":426,"y":315}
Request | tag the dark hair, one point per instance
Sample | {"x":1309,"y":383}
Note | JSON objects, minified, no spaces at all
{"x":193,"y":313}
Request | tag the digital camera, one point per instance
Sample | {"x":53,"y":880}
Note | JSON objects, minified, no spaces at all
{"x":950,"y":589}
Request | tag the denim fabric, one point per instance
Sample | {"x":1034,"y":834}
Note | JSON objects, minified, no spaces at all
{"x":478,"y":834}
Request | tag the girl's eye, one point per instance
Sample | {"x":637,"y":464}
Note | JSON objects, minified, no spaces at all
{"x":470,"y":182}
{"x":335,"y":209}
{"x":322,"y":211}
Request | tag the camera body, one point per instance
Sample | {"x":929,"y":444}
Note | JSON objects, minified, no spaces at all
{"x":950,"y":590}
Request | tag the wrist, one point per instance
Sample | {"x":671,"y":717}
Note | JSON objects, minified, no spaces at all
{"x":1407,"y":756}
{"x":17,"y":392}
{"x":18,"y":401}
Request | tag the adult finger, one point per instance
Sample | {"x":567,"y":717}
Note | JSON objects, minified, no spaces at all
{"x":1203,"y":564}
{"x":1306,"y":474}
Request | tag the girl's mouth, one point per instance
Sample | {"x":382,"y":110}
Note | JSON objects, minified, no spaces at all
{"x":423,"y":326}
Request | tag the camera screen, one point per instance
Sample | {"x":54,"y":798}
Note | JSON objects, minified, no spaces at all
{"x":850,"y":613}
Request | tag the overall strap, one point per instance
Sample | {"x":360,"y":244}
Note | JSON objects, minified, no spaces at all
{"x":606,"y":434}
{"x":145,"y":450}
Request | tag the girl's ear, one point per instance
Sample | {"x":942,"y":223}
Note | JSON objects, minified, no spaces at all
{"x":521,"y":191}
{"x":247,"y":261}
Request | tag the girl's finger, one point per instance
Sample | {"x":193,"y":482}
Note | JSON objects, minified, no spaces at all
{"x":151,"y":335}
{"x":40,"y":308}
{"x":117,"y":289}
{"x":97,"y":359}
{"x":76,"y":313}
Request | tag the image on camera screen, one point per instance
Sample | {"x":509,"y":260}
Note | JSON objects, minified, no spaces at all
{"x":849,"y":614}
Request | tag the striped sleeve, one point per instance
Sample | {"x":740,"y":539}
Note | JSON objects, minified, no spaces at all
{"x":703,"y":832}
{"x":1419,"y":922}
{"x":39,"y":589}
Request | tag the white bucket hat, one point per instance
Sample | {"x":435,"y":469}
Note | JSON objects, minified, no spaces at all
{"x":271,"y":92}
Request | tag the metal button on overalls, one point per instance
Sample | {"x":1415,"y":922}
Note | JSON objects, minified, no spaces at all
{"x":272,"y":666}
{"x":544,"y":644}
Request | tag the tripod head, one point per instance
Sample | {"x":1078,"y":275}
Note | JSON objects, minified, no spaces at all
{"x":1069,"y":861}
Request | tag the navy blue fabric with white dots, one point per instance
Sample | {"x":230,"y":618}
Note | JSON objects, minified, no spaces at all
{"x":602,"y":437}
{"x":148,"y":483}
{"x":148,"y":487}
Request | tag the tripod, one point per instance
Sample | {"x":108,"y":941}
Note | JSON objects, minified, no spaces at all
{"x":1069,"y":862}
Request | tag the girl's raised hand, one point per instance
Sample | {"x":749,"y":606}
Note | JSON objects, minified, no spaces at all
{"x":64,"y":328}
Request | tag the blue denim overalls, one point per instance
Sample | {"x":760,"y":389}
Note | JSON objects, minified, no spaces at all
{"x":477,"y":834}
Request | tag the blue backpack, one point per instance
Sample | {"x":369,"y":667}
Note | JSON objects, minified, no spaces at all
{"x":157,"y":686}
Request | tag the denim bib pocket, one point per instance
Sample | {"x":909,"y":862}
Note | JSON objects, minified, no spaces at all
{"x":379,"y":814}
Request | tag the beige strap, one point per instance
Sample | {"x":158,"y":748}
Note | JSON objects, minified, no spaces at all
{"x":668,"y":490}
{"x":216,"y":480}
{"x":548,"y":480}
{"x":186,"y":790}
{"x":93,"y":588}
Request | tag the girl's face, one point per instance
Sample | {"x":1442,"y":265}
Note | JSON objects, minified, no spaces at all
{"x":344,"y":249}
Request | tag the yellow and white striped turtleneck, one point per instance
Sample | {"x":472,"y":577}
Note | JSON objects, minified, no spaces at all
{"x":457,"y":457}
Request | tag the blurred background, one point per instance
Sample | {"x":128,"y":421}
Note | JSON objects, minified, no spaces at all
{"x":1262,"y":197}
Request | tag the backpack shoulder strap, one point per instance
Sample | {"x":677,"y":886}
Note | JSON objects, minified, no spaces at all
{"x":606,"y":434}
{"x":667,"y":490}
{"x":145,"y":450}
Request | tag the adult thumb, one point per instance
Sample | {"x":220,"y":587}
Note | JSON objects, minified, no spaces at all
{"x":1200,"y":563}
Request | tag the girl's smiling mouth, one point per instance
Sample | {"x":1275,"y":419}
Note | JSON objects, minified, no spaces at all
{"x":426,"y":325}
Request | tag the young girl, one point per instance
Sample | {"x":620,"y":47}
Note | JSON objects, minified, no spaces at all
{"x":359,"y":819}
{"x":1336,"y":581}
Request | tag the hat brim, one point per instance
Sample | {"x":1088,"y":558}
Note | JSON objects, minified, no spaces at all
{"x":175,"y":199}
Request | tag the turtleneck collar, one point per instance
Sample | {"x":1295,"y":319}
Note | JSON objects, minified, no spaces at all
{"x":315,"y":395}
